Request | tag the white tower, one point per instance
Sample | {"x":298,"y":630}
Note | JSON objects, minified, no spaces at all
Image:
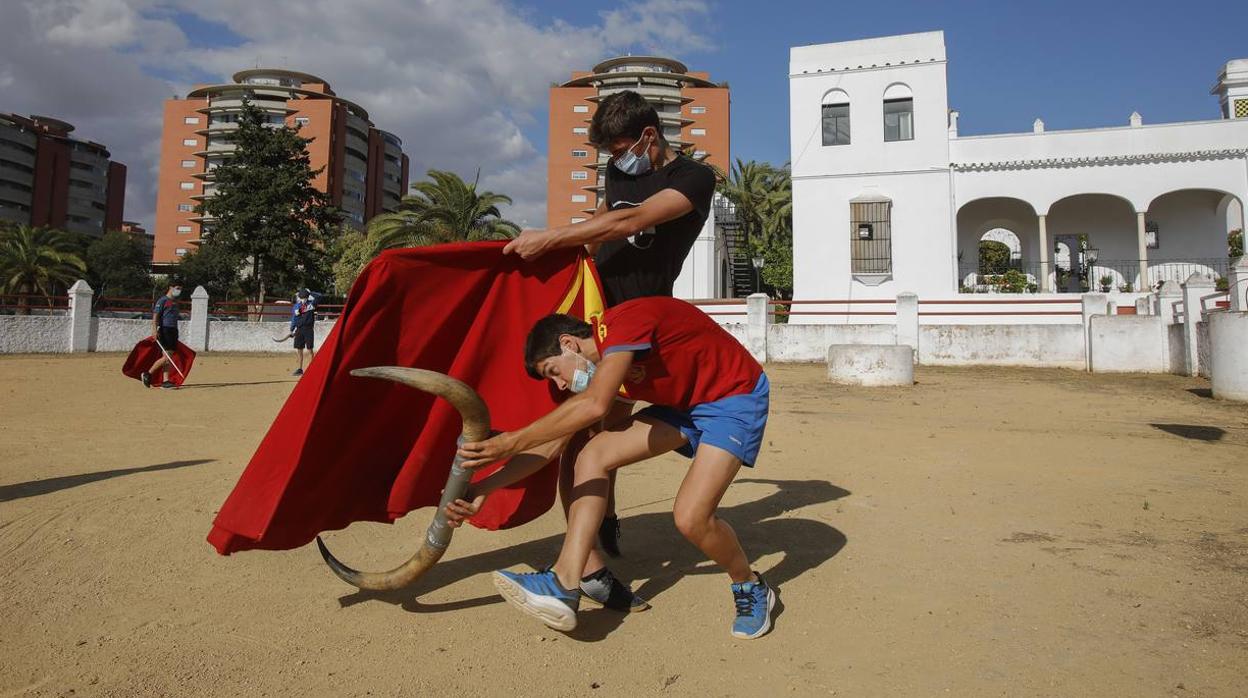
{"x":870,"y":131}
{"x":1232,"y":89}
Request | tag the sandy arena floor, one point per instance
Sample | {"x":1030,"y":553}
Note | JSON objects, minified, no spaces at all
{"x":987,"y":532}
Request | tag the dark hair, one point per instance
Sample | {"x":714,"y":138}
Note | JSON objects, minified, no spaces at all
{"x":543,"y":340}
{"x":622,"y":115}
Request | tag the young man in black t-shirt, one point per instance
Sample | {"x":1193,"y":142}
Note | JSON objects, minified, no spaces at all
{"x":655,"y":202}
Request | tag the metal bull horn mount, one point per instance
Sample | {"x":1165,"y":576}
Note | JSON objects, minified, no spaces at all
{"x":476,"y":428}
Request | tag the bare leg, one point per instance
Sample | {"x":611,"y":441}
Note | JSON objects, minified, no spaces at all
{"x":704,"y":485}
{"x":637,"y":439}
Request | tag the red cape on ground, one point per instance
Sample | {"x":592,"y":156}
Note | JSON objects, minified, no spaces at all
{"x":145,"y":353}
{"x":346,"y":449}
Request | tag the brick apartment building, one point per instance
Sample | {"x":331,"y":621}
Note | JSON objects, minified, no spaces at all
{"x":48,"y":178}
{"x":365,"y":170}
{"x":693,"y":110}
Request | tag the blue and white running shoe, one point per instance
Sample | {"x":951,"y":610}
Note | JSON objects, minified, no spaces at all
{"x":755,"y":602}
{"x":540,"y":595}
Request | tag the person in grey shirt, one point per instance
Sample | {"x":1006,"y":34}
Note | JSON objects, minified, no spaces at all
{"x":165,"y":332}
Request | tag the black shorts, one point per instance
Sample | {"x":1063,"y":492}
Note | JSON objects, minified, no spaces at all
{"x":305,"y":337}
{"x":167,"y":337}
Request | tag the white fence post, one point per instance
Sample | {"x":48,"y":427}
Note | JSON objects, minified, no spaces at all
{"x":1237,"y":278}
{"x":80,"y":295}
{"x":1197,"y":285}
{"x":1093,"y":304}
{"x":758,"y":316}
{"x":908,"y":322}
{"x":1169,"y":293}
{"x":198,"y":339}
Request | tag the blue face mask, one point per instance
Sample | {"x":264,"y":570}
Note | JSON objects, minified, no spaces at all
{"x":581,"y":376}
{"x":633,"y":164}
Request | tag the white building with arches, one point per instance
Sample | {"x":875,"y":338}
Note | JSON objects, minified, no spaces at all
{"x":888,"y":198}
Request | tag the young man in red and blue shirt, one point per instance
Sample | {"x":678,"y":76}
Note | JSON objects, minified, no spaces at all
{"x":709,"y":401}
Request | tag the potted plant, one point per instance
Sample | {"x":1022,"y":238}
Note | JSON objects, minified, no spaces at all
{"x":1126,"y":287}
{"x":1107,"y":283}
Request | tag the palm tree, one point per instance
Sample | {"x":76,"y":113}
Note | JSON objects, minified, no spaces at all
{"x":37,"y":260}
{"x":748,"y":187}
{"x":762,"y":195}
{"x":443,"y":208}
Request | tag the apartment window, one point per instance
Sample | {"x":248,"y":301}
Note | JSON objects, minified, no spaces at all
{"x":697,"y":132}
{"x":184,"y":228}
{"x":899,"y":119}
{"x":697,"y":110}
{"x":580,"y":175}
{"x":188,"y":164}
{"x":580,"y":153}
{"x":190,"y":141}
{"x":871,"y":238}
{"x":181,"y":251}
{"x":580,"y":130}
{"x":580,"y":108}
{"x":187,"y":186}
{"x":185,"y":208}
{"x":835,"y":114}
{"x":578,"y":220}
{"x":302,"y":121}
{"x":190,"y":120}
{"x":580,"y":198}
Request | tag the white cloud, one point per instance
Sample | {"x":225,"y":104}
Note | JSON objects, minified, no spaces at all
{"x":458,"y":80}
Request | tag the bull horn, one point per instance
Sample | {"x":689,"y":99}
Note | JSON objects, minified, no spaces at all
{"x":476,"y":418}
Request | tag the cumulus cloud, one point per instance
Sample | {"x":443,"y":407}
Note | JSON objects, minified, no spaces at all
{"x":460,"y":81}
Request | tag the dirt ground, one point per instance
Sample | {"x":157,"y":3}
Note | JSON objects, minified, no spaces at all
{"x":986,"y":532}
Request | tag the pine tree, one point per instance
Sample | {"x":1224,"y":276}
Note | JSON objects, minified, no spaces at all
{"x":265,"y":210}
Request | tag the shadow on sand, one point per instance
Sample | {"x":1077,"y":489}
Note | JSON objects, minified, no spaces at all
{"x":37,"y":487}
{"x":657,"y":554}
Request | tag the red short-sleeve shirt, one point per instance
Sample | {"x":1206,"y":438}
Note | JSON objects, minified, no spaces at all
{"x":682,"y":358}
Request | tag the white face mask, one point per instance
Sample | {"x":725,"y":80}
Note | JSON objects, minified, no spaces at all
{"x":176,"y":292}
{"x":581,"y":376}
{"x":633,"y":164}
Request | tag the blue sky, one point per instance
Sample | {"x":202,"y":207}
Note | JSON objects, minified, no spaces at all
{"x":1073,"y":64}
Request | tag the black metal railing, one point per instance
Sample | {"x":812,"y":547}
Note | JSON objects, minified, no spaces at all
{"x":1103,"y":275}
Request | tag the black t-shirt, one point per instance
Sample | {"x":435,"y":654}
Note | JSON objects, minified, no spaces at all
{"x":648,"y":262}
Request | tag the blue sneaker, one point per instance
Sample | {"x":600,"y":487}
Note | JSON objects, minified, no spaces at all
{"x":540,"y":595}
{"x":754,"y":601}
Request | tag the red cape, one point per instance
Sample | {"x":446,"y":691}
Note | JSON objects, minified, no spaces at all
{"x":145,"y":353}
{"x":347,"y":449}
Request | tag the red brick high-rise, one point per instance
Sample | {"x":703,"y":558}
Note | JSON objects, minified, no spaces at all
{"x":693,"y":110}
{"x":365,"y":170}
{"x":48,"y":178}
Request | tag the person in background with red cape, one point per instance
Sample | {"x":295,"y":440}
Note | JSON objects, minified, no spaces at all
{"x":165,"y":332}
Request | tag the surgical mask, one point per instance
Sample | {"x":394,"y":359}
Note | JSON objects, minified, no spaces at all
{"x":581,"y":376}
{"x":633,"y":164}
{"x":176,"y":292}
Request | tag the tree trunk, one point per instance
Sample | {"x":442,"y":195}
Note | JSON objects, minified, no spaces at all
{"x":23,"y":299}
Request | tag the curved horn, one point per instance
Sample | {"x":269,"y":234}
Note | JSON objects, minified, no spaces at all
{"x":476,"y":428}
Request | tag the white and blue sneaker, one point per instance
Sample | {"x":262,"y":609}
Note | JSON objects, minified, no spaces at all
{"x":755,"y":602}
{"x":540,"y":595}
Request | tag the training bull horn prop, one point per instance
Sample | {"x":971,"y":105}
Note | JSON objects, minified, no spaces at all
{"x":476,"y":428}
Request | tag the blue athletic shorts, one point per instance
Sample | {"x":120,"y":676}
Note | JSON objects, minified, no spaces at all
{"x":735,"y":423}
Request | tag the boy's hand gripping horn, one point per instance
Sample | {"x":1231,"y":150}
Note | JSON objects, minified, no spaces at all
{"x":476,"y":428}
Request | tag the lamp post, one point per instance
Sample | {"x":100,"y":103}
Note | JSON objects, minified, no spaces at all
{"x":758,"y":270}
{"x":1090,"y":255}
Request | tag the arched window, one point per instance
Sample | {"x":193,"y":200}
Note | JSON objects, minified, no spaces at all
{"x":898,"y":113}
{"x":835,"y":112}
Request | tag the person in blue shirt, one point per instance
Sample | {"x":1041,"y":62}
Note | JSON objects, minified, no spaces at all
{"x":302,"y":326}
{"x":165,"y":332}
